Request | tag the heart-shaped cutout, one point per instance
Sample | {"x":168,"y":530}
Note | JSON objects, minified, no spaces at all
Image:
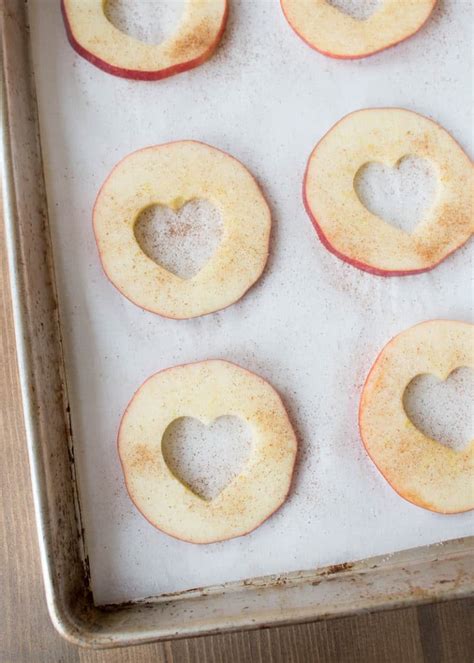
{"x":207,"y":458}
{"x":443,"y":410}
{"x":144,"y":20}
{"x":358,"y":9}
{"x":401,"y":195}
{"x":183,"y":241}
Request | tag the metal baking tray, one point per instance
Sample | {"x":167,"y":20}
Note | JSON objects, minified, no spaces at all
{"x":431,"y":573}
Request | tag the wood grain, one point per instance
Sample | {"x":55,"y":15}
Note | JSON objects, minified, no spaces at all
{"x":438,"y":633}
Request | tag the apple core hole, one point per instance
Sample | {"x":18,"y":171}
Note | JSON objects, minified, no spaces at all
{"x":443,"y":410}
{"x":401,"y":195}
{"x":183,"y":241}
{"x":207,"y":458}
{"x":149,"y":21}
{"x":361,"y":10}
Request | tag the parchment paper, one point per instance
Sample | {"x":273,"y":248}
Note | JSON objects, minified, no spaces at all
{"x":312,"y":326}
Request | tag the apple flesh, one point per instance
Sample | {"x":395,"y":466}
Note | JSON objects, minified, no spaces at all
{"x":347,"y":228}
{"x":171,"y":175}
{"x":93,"y":36}
{"x":206,"y":391}
{"x":420,"y":469}
{"x":338,"y":35}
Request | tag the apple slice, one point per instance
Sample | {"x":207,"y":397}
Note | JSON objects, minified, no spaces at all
{"x":420,"y":469}
{"x":172,"y":175}
{"x":94,"y":37}
{"x":332,"y":32}
{"x":347,"y":228}
{"x":206,"y":391}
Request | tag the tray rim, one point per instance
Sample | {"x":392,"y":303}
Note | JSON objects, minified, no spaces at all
{"x":442,"y":571}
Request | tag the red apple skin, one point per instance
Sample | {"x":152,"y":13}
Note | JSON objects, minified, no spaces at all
{"x":352,"y":261}
{"x":364,"y":55}
{"x":422,"y":505}
{"x":169,"y":533}
{"x":137,"y":74}
{"x":170,"y":317}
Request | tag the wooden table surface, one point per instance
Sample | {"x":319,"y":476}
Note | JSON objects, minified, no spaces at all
{"x":437,"y":633}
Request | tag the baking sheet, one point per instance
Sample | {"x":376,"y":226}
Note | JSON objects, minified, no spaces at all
{"x":312,"y":325}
